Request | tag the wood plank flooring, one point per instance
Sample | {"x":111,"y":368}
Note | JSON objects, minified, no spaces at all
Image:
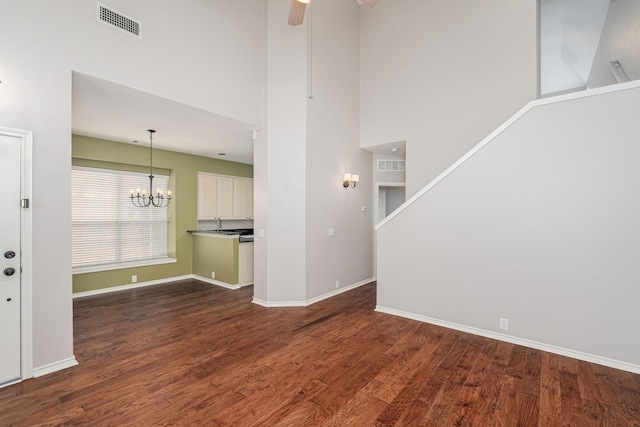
{"x":196,"y":355}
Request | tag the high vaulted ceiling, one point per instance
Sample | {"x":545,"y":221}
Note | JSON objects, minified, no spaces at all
{"x":570,"y":30}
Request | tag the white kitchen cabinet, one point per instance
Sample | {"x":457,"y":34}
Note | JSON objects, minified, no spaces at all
{"x":224,"y":197}
{"x":242,"y":198}
{"x":207,"y":203}
{"x":250,"y":199}
{"x":215,"y":196}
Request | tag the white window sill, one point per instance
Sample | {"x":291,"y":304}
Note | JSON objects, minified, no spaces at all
{"x":121,"y":265}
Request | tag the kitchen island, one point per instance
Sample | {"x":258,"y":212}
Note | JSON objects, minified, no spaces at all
{"x":223,"y":257}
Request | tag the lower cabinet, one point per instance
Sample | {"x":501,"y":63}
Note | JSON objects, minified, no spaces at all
{"x":245,"y":263}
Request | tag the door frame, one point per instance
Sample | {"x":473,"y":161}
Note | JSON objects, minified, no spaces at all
{"x":377,"y":191}
{"x":26,"y":250}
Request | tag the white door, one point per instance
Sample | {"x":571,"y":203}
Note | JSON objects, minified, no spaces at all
{"x":9,"y":259}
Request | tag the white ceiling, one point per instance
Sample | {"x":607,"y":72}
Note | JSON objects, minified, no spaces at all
{"x":398,"y":147}
{"x":106,"y":110}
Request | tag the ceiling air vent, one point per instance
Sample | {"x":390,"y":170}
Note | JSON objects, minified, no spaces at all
{"x":118,"y":20}
{"x":391,"y":165}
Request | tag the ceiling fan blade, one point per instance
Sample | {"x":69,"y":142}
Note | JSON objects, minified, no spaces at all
{"x":296,"y":13}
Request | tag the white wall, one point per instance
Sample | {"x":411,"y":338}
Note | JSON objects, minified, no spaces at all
{"x":388,"y":176}
{"x":443,"y":74}
{"x":332,"y":149}
{"x":394,"y":197}
{"x":620,"y":40}
{"x":260,"y":214}
{"x":283,"y":163}
{"x":555,"y":74}
{"x":569,"y":35}
{"x":540,"y":227}
{"x":310,"y":143}
{"x":205,"y":54}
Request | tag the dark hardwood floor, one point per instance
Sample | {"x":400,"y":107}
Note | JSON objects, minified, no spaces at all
{"x":197,"y":355}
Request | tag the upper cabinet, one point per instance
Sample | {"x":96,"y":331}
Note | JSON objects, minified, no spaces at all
{"x":207,"y":208}
{"x":242,"y":198}
{"x":224,"y":197}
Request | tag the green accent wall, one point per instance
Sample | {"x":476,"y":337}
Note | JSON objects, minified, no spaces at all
{"x":219,"y":255}
{"x":183,"y":180}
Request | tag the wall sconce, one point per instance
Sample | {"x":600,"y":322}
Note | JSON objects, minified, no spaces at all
{"x":350,"y":180}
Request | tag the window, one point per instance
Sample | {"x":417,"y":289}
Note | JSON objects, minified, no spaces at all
{"x":107,"y":230}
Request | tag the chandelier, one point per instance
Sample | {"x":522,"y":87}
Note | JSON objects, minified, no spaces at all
{"x":141,"y":200}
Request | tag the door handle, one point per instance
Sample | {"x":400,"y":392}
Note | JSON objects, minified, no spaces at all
{"x":9,"y":271}
{"x":9,"y":254}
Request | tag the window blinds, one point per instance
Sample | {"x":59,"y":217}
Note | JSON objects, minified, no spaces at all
{"x":106,"y":227}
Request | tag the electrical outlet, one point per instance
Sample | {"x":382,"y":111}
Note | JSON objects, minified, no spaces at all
{"x":134,"y":278}
{"x":331,"y":232}
{"x":504,"y":324}
{"x":213,"y":274}
{"x":337,"y":284}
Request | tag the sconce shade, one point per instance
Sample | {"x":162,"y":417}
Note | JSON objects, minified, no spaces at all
{"x":350,"y":180}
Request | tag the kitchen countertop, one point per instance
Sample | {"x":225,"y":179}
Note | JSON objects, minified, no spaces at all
{"x":224,"y":234}
{"x":213,"y":233}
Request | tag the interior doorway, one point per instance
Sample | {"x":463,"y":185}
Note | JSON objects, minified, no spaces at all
{"x":389,"y":196}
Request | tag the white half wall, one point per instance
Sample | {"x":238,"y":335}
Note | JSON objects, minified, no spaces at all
{"x":540,"y":227}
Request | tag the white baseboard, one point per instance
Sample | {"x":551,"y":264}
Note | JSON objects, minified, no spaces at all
{"x":156,"y":282}
{"x":12,"y":382}
{"x":604,"y":361}
{"x":54,"y":367}
{"x":132,"y":286}
{"x":216,"y":282}
{"x":272,"y":304}
{"x":314,"y":300}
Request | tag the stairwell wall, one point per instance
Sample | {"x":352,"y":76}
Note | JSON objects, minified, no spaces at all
{"x":539,"y":227}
